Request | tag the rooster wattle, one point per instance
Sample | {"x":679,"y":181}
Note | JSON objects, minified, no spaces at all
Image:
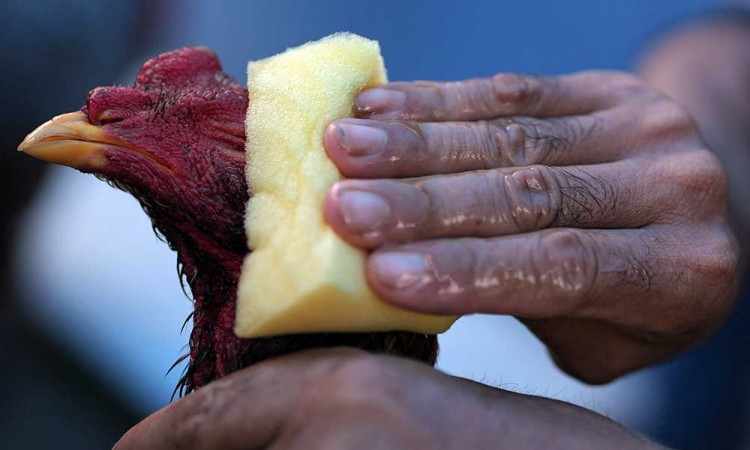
{"x":176,"y":141}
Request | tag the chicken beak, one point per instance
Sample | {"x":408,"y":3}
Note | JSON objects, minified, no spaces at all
{"x":70,"y":140}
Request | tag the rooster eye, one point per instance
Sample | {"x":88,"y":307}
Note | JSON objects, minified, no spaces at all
{"x":108,"y":117}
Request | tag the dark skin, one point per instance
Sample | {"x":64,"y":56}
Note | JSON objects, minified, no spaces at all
{"x":705,"y":68}
{"x":348,"y":399}
{"x":641,"y":262}
{"x":586,"y":205}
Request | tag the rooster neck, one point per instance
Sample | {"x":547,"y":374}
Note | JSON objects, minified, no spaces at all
{"x":212,"y":272}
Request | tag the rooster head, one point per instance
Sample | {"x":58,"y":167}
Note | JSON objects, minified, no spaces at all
{"x":175,"y":140}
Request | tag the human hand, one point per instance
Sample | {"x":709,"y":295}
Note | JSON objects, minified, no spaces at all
{"x":586,"y":205}
{"x":347,"y":399}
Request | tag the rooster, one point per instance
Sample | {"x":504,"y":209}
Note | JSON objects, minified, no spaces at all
{"x":176,"y":141}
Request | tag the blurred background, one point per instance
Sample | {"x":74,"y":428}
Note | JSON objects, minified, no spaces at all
{"x":91,"y":309}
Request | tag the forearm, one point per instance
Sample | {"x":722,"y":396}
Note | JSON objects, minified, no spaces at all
{"x":706,"y":68}
{"x":566,"y":426}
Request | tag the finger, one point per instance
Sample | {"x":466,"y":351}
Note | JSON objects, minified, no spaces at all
{"x":376,"y":149}
{"x":371,"y":213}
{"x":501,"y":95}
{"x":612,"y":275}
{"x":241,"y":411}
{"x":363,"y":148}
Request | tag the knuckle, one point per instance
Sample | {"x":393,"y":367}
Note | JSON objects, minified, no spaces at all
{"x":717,"y":269}
{"x":699,"y":178}
{"x":349,"y":387}
{"x":357,"y":382}
{"x":714,"y":176}
{"x":498,"y":144}
{"x":517,"y":91}
{"x":704,"y":275}
{"x":729,"y":258}
{"x":506,"y":142}
{"x":636,"y":271}
{"x":192,"y":425}
{"x":523,"y":141}
{"x":728,"y":278}
{"x":667,"y":120}
{"x":532,"y":196}
{"x":567,"y":263}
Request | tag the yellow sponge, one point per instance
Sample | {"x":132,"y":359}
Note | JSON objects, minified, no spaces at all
{"x":300,"y":276}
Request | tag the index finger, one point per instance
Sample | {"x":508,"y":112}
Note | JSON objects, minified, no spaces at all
{"x":497,"y":96}
{"x":243,"y":410}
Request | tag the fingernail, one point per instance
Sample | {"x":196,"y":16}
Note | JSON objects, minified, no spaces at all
{"x":400,"y":270}
{"x":363,"y":211}
{"x":379,"y":100}
{"x":360,"y":140}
